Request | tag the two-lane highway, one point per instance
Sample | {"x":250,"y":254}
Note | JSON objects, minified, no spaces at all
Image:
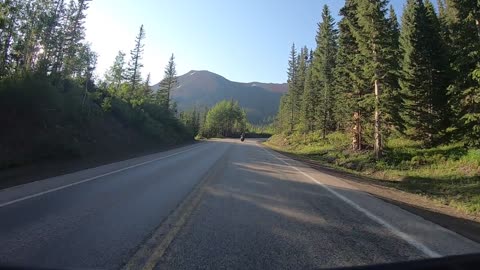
{"x":100,"y":222}
{"x":258,"y":210}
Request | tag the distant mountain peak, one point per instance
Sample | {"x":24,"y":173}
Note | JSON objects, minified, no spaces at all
{"x":204,"y":88}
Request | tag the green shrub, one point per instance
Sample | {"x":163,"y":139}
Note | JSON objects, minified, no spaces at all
{"x":44,"y":118}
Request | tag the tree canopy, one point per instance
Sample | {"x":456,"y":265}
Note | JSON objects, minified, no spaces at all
{"x":372,"y":79}
{"x":225,"y":119}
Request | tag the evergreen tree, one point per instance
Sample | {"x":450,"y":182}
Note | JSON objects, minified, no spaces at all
{"x":308,"y":103}
{"x":375,"y":47}
{"x":442,"y":17}
{"x":147,"y":89}
{"x":463,"y":21}
{"x":323,"y":72}
{"x":302,"y":59}
{"x":283,"y":118}
{"x":133,"y":72}
{"x":441,"y":72}
{"x":423,"y":79}
{"x":168,"y":83}
{"x":350,"y":83}
{"x":392,"y":100}
{"x":293,"y":92}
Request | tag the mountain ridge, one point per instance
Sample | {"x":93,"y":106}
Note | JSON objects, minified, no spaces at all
{"x":200,"y":88}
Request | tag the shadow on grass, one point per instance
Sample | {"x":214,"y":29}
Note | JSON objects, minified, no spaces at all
{"x":464,"y":190}
{"x":396,"y":157}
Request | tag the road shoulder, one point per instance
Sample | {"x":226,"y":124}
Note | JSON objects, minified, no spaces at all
{"x":52,"y":168}
{"x":443,"y":215}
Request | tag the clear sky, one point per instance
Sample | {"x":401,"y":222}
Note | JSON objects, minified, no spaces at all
{"x":245,"y":40}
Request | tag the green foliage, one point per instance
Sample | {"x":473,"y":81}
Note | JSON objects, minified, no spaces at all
{"x":424,"y":67}
{"x":191,"y":120}
{"x":307,"y":122}
{"x":283,"y":119}
{"x":115,"y":75}
{"x":323,"y":65}
{"x":293,"y":97}
{"x":462,"y":20}
{"x":168,"y":83}
{"x":346,"y":83}
{"x":50,"y":106}
{"x":447,"y":173}
{"x":133,"y":71}
{"x":42,"y":119}
{"x":259,"y":131}
{"x":225,"y":119}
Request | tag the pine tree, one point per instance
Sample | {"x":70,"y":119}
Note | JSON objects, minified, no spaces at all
{"x":442,"y":17}
{"x":392,"y":100}
{"x":463,"y":21}
{"x":168,"y":83}
{"x":350,"y":83}
{"x":375,"y":47}
{"x":293,"y":92}
{"x":283,"y":118}
{"x":423,"y":67}
{"x":147,"y":89}
{"x":133,"y":73}
{"x":308,"y":103}
{"x":302,"y":59}
{"x":441,"y":73}
{"x":323,"y":71}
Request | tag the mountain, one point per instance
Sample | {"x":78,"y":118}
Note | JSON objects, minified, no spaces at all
{"x":204,"y":88}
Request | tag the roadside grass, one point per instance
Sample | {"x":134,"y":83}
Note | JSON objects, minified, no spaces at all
{"x":449,"y":174}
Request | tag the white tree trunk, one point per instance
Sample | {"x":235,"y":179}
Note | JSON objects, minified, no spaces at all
{"x":378,"y":135}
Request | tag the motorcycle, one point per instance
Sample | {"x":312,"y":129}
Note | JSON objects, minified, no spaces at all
{"x":242,"y":138}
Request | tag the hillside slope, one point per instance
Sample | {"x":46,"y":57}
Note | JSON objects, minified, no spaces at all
{"x":204,"y":88}
{"x":45,"y":120}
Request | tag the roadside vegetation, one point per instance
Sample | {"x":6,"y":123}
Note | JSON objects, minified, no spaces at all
{"x":224,"y":119}
{"x":394,"y":101}
{"x":52,"y":107}
{"x":448,"y":174}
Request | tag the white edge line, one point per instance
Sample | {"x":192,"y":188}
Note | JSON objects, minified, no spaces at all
{"x":93,"y":178}
{"x":427,"y":251}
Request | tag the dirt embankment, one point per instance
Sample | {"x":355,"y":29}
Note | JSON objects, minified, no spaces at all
{"x":108,"y":141}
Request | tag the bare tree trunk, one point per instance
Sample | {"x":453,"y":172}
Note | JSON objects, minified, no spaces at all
{"x":6,"y":48}
{"x":476,"y":14}
{"x":377,"y":128}
{"x":325,"y":110}
{"x":292,"y":102}
{"x":169,"y":88}
{"x":357,"y":137}
{"x":378,"y":135}
{"x":477,"y":22}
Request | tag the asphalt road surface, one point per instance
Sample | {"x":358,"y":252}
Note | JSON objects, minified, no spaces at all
{"x":228,"y":205}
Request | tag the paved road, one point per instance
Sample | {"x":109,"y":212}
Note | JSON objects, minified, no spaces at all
{"x":258,"y":210}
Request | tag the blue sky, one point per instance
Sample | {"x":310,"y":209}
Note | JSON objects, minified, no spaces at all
{"x":244,"y":41}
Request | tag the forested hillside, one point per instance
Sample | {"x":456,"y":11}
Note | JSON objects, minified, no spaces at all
{"x":394,"y":98}
{"x":52,"y":107}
